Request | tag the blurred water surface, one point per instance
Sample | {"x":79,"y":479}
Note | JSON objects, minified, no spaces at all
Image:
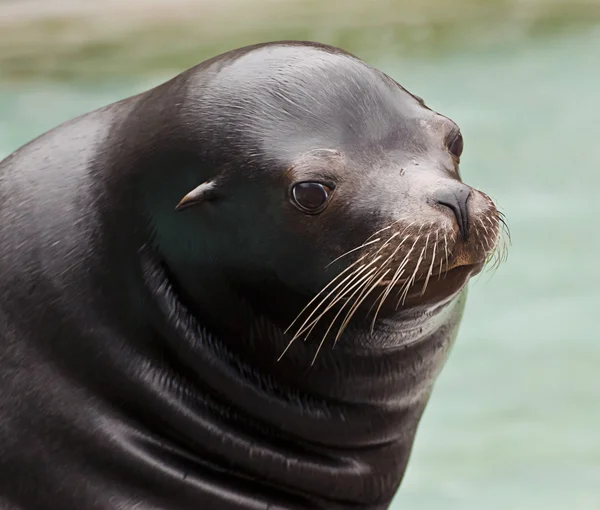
{"x":514,"y":420}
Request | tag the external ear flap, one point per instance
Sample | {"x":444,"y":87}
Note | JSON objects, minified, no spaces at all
{"x":203,"y":193}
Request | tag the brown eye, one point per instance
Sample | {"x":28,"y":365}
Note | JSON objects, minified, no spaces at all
{"x":310,"y":197}
{"x":456,"y":146}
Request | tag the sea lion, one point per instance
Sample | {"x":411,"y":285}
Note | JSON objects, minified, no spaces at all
{"x":233,"y":291}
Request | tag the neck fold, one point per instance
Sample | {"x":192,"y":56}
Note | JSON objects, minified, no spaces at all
{"x":346,"y":422}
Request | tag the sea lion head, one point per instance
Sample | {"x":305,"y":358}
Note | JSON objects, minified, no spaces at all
{"x":323,"y":185}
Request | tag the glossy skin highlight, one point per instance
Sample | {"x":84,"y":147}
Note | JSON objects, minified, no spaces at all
{"x":142,"y":345}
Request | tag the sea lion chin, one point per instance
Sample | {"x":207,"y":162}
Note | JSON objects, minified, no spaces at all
{"x":232,"y":291}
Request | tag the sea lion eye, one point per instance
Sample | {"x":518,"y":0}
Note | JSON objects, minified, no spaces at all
{"x":310,"y":197}
{"x":456,"y":145}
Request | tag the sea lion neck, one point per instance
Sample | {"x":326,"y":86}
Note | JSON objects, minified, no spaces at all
{"x":337,"y":418}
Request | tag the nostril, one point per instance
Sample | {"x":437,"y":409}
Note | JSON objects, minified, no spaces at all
{"x":456,"y":200}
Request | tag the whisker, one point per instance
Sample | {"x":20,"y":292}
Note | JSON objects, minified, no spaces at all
{"x":424,"y":251}
{"x":504,"y":244}
{"x":411,"y":280}
{"x":388,"y":227}
{"x":431,"y":266}
{"x":350,"y":276}
{"x":348,"y":285}
{"x":506,"y":228}
{"x":487,"y":231}
{"x":486,"y":238}
{"x":367,"y":242}
{"x":352,"y":251}
{"x":359,"y":283}
{"x":393,"y":255}
{"x":499,"y":251}
{"x":357,"y":304}
{"x":446,"y":250}
{"x":323,"y":290}
{"x":342,"y":288}
{"x":399,"y":272}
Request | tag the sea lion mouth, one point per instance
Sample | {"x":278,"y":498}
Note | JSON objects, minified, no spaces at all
{"x":436,"y":289}
{"x":473,"y":269}
{"x":435,"y":286}
{"x":378,"y":283}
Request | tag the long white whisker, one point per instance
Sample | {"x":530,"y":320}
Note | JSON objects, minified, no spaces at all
{"x":347,"y":285}
{"x":359,"y":284}
{"x":357,"y":304}
{"x":398,"y":274}
{"x":353,"y":250}
{"x":446,"y":250}
{"x":386,"y":228}
{"x":429,"y":273}
{"x":324,"y":289}
{"x":411,"y":280}
{"x":350,"y":276}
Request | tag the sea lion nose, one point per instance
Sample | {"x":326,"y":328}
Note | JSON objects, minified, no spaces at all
{"x":456,"y":198}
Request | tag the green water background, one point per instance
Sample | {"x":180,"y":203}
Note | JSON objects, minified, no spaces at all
{"x":514,"y":421}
